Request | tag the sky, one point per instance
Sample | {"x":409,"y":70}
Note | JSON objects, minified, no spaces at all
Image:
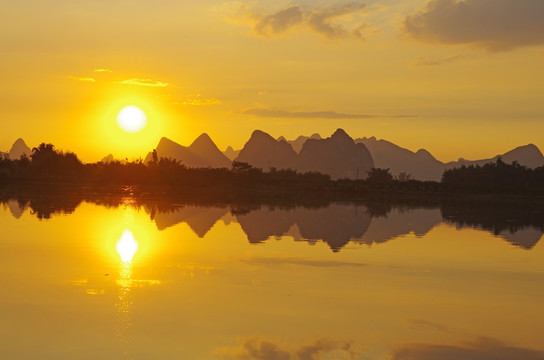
{"x":458,"y":78}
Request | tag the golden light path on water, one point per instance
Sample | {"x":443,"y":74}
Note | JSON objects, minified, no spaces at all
{"x":126,"y":247}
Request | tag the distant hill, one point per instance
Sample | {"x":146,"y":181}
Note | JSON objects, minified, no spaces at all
{"x":231,"y":153}
{"x":108,"y":159}
{"x":299,"y":141}
{"x":337,"y":156}
{"x":201,"y":153}
{"x":18,"y":149}
{"x":527,"y":155}
{"x":421,"y":165}
{"x":206,"y":149}
{"x":265,"y":152}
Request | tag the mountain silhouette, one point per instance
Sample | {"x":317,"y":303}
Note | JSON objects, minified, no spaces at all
{"x":231,"y":153}
{"x":265,"y":152}
{"x":206,"y":149}
{"x":108,"y":159}
{"x":421,"y":165}
{"x":299,"y":141}
{"x":527,"y":155}
{"x":201,"y":153}
{"x":338,"y":156}
{"x":18,"y":149}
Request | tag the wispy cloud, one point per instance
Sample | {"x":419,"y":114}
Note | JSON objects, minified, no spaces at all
{"x":338,"y":21}
{"x":84,"y":79}
{"x":495,"y":25}
{"x":143,"y":82}
{"x":426,"y":62}
{"x":272,"y":113}
{"x":198,"y":100}
{"x":425,"y":324}
{"x":102,"y":70}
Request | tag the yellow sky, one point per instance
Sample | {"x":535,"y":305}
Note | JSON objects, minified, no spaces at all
{"x":469,"y":76}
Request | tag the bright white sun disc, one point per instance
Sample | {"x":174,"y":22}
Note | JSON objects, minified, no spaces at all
{"x":131,"y":119}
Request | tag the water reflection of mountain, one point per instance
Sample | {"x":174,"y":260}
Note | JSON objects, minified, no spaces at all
{"x":199,"y":218}
{"x":337,"y":224}
{"x":519,"y":224}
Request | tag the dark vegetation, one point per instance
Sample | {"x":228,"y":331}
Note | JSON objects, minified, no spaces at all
{"x":48,"y":165}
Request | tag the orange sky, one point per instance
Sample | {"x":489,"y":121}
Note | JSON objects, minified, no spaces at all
{"x":459,"y":79}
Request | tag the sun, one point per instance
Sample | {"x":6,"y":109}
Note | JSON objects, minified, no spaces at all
{"x":131,"y":119}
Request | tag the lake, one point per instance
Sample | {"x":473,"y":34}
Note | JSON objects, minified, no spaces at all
{"x":125,"y":277}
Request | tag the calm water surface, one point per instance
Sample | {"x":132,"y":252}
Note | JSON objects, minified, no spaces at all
{"x":343,"y":281}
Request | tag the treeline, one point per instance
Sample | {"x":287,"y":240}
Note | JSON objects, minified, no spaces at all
{"x":48,"y":165}
{"x":498,"y":176}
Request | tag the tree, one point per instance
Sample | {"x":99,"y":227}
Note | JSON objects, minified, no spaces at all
{"x":378,"y":175}
{"x":238,"y":166}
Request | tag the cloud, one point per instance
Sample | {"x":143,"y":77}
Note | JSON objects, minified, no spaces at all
{"x":197,"y":100}
{"x":144,"y":82}
{"x":332,"y":22}
{"x":322,"y":21}
{"x":279,"y":22}
{"x":426,"y":62}
{"x":258,"y":349}
{"x":84,"y":79}
{"x":270,"y":113}
{"x":495,"y":25}
{"x":102,"y":70}
{"x":420,"y":323}
{"x":479,"y":349}
{"x":302,"y":262}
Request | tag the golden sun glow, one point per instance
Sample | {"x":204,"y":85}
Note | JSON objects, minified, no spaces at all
{"x":131,"y":119}
{"x":127,"y":246}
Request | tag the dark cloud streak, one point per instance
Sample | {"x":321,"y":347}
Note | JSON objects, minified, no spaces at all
{"x":270,"y":113}
{"x":425,"y":62}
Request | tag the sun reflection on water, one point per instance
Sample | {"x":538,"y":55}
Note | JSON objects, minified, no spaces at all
{"x":126,"y":247}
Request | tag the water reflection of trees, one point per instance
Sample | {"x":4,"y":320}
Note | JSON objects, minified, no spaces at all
{"x":311,"y":219}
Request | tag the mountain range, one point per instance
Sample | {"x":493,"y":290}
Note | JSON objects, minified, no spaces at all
{"x":339,"y":156}
{"x":422,"y":165}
